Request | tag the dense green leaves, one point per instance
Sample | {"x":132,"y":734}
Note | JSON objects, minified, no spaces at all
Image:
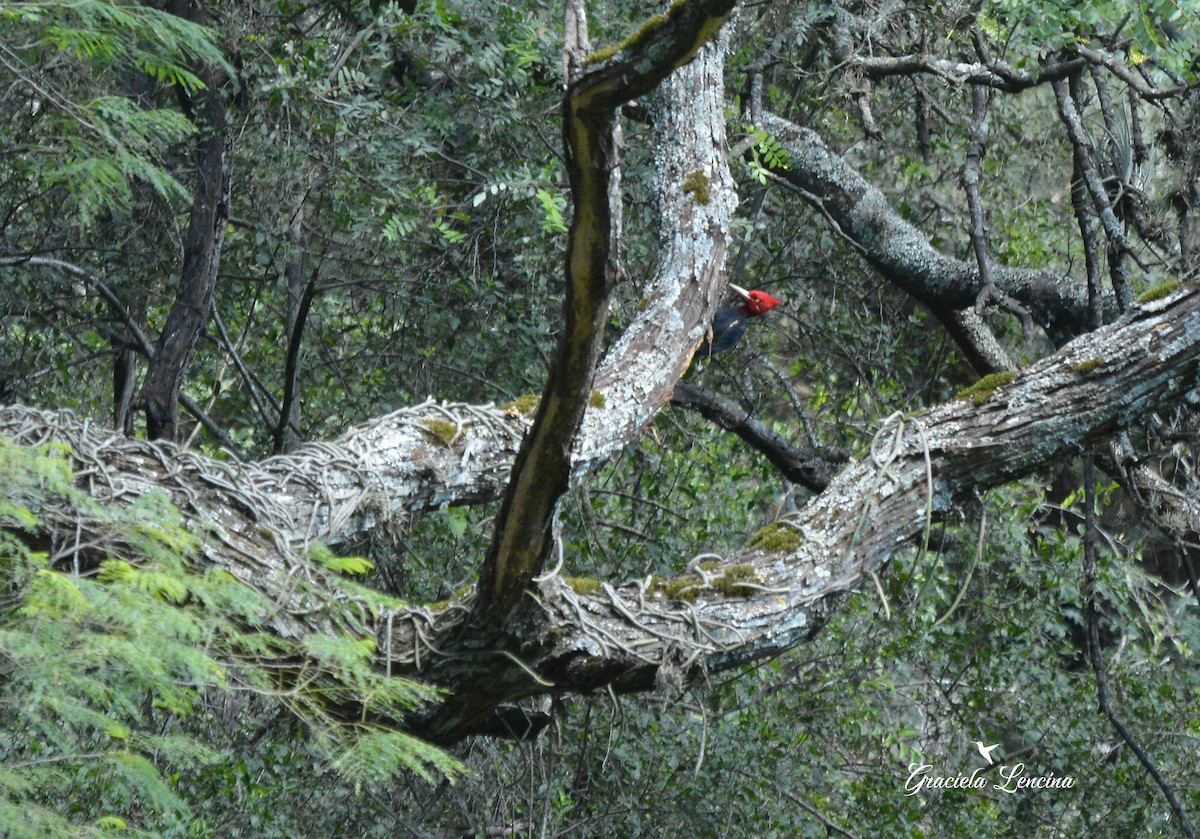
{"x":98,"y":147}
{"x":1152,"y":27}
{"x":978,"y":642}
{"x":110,"y":679}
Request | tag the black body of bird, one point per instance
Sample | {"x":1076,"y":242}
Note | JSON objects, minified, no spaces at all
{"x":728,"y":327}
{"x":729,"y":324}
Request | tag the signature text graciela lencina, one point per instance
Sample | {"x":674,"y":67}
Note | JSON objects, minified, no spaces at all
{"x":1012,"y":780}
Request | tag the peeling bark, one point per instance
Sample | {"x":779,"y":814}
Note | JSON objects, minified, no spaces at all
{"x":755,"y":603}
{"x":634,"y":637}
{"x":541,"y":474}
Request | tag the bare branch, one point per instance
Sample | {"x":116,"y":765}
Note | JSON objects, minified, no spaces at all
{"x":976,"y":149}
{"x":1003,"y":76}
{"x":1086,"y":169}
{"x":1125,"y":73}
{"x":995,"y":74}
{"x":802,"y":466}
{"x":902,"y":253}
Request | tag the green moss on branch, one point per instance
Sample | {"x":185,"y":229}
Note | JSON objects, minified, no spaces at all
{"x":696,"y":185}
{"x":983,"y":389}
{"x":1159,"y":291}
{"x":776,"y":537}
{"x":524,"y":405}
{"x":443,"y":431}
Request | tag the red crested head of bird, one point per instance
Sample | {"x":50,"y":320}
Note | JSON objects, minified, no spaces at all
{"x":755,"y":302}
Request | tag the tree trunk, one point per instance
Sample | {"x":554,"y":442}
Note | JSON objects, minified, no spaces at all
{"x":159,"y":397}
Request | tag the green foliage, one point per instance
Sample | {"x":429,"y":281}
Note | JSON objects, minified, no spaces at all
{"x":353,"y":565}
{"x":819,"y":741}
{"x":87,"y":657}
{"x":107,"y":674}
{"x":376,"y":758}
{"x":407,"y":164}
{"x":766,"y":154}
{"x":99,"y":147}
{"x":1148,"y":27}
{"x":552,"y":211}
{"x":108,"y":33}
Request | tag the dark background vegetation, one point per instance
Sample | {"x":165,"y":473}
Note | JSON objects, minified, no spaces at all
{"x":395,"y":228}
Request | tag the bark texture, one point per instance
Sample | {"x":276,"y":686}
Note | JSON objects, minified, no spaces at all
{"x":523,"y":537}
{"x":902,"y":254}
{"x":526,"y":631}
{"x":768,"y":597}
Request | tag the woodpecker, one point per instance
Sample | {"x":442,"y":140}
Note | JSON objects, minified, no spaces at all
{"x":729,"y":324}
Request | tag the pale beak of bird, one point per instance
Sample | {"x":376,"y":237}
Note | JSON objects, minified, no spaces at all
{"x":738,"y":290}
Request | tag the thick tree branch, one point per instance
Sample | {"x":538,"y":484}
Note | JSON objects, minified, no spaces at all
{"x":542,"y":471}
{"x":978,"y":343}
{"x":429,"y":455}
{"x":902,"y":254}
{"x":770,"y":597}
{"x":994,"y":74}
{"x":763,"y":599}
